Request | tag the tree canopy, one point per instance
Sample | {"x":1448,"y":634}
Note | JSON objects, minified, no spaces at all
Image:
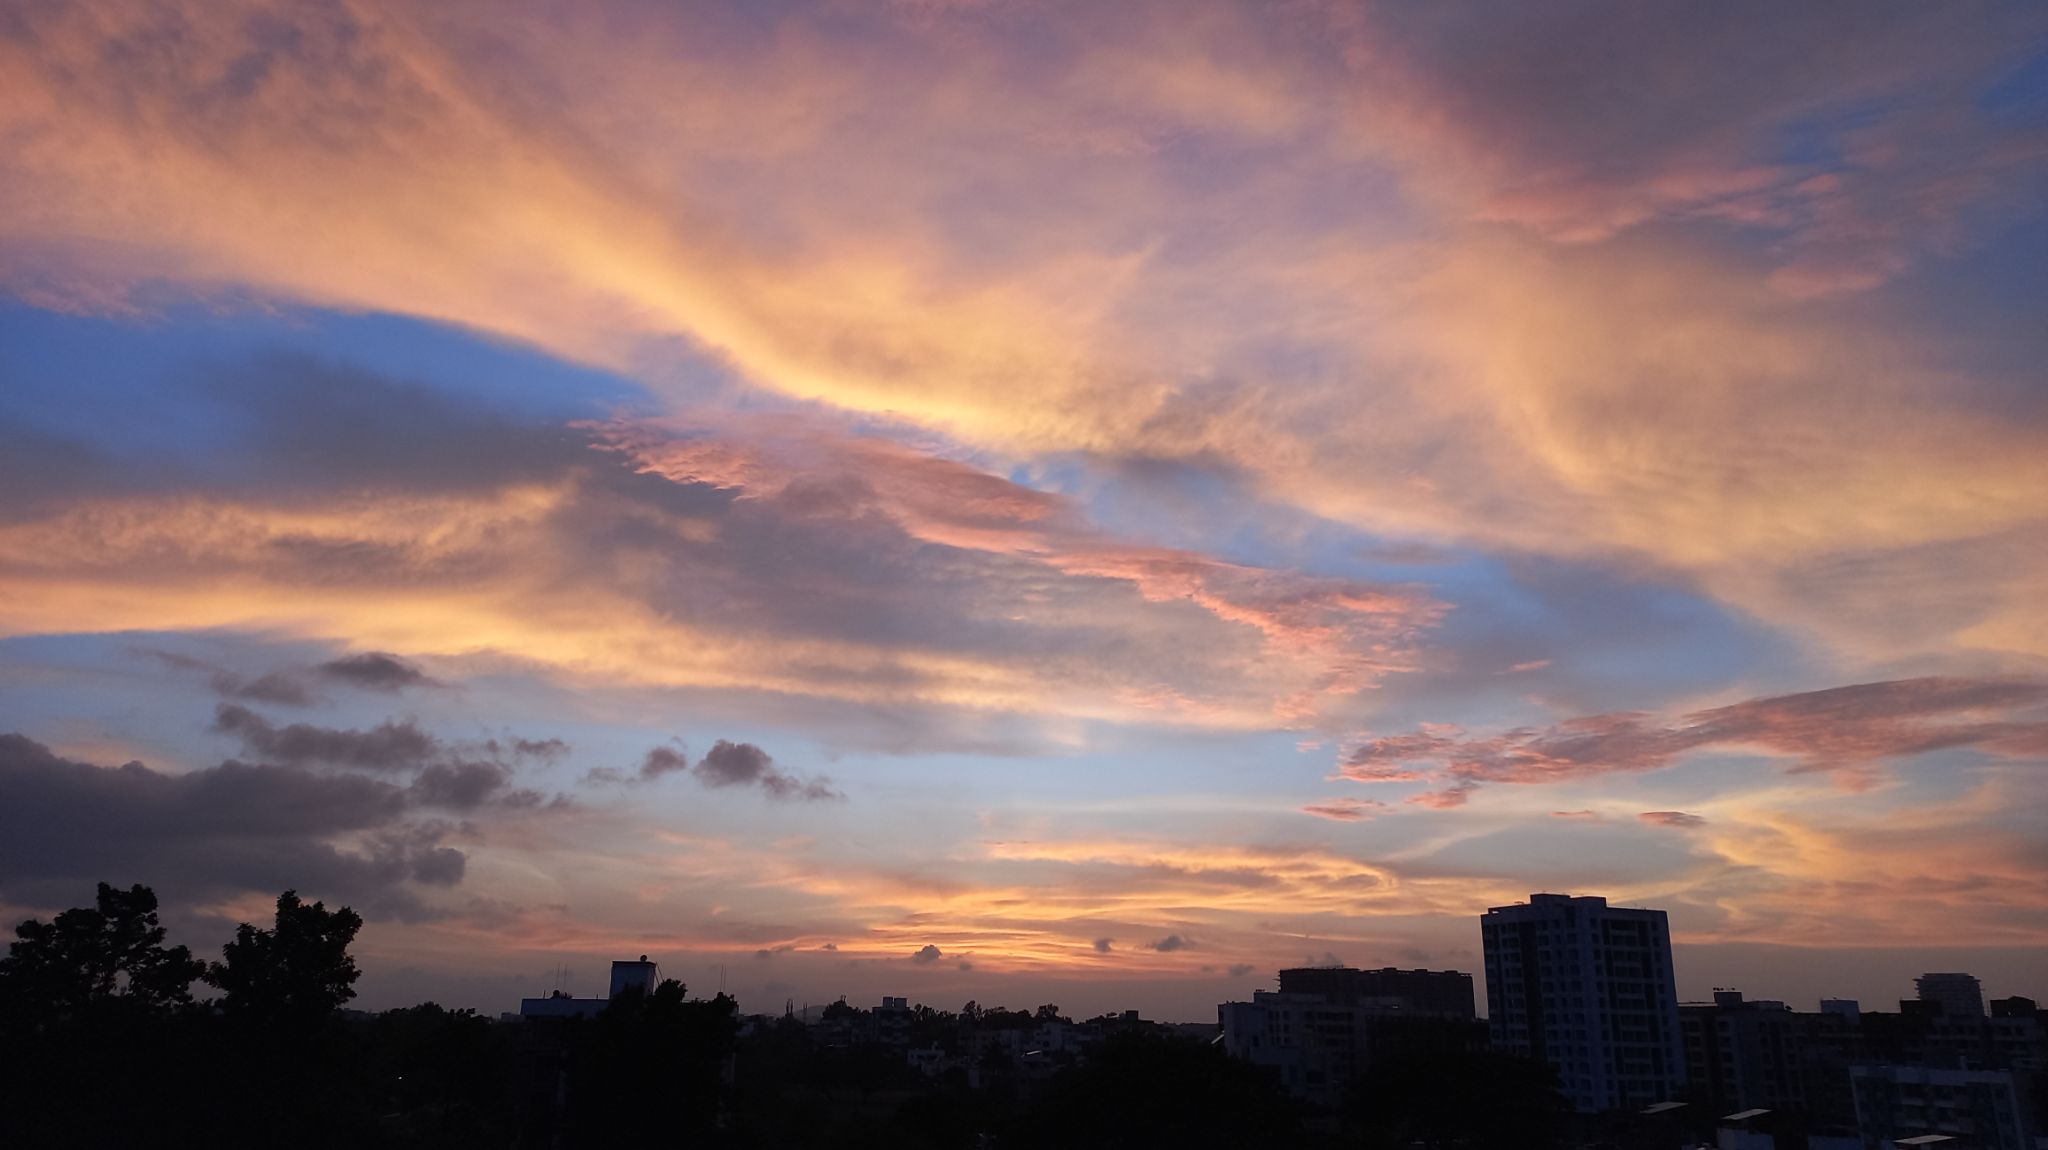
{"x":109,"y":952}
{"x":293,"y":975}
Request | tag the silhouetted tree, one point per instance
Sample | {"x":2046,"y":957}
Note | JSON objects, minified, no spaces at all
{"x":294,"y":976}
{"x":647,"y":1070}
{"x":1459,"y":1100}
{"x":1142,"y":1091}
{"x":111,"y":951}
{"x":88,"y":999}
{"x":440,"y":1078}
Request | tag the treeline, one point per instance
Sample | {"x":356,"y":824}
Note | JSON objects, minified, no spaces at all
{"x":110,"y":1038}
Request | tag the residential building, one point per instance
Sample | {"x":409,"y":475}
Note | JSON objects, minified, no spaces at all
{"x":1959,"y":996}
{"x":1744,"y":1055}
{"x":642,"y":976}
{"x":1316,"y":1043}
{"x":1981,"y":1109}
{"x":627,"y":975}
{"x":1589,"y":989}
{"x":1442,"y":993}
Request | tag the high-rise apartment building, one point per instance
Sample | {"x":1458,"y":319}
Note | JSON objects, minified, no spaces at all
{"x":1589,"y":989}
{"x":1960,"y":996}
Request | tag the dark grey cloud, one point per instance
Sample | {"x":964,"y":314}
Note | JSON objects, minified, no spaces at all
{"x":1170,"y":943}
{"x":1240,"y":969}
{"x":1681,"y":820}
{"x":726,"y":764}
{"x":663,"y":760}
{"x":928,"y":954}
{"x":545,"y":749}
{"x":234,"y":828}
{"x":385,"y":747}
{"x":280,"y":687}
{"x":1102,"y":945}
{"x":656,"y":763}
{"x":461,"y":785}
{"x":376,"y":671}
{"x":439,"y":866}
{"x":730,"y":764}
{"x":445,"y":778}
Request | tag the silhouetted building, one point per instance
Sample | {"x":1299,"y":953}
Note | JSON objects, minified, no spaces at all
{"x":1316,"y":1041}
{"x":1444,"y":993}
{"x":1957,"y":995}
{"x":2018,"y":1006}
{"x":892,"y":1023}
{"x":1981,"y":1109}
{"x":1587,"y":988}
{"x":1744,"y":1055}
{"x":642,"y":975}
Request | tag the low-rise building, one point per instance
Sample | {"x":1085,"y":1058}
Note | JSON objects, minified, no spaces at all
{"x":627,"y":976}
{"x":1317,"y":1047}
{"x":1981,"y":1109}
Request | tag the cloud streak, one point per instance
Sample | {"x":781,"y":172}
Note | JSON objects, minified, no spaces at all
{"x":1840,"y":730}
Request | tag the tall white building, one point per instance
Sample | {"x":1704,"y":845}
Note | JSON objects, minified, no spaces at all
{"x":1589,"y":989}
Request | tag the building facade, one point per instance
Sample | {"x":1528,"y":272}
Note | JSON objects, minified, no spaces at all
{"x":1980,"y":1109}
{"x":1439,"y":993}
{"x":1589,"y":989}
{"x":1317,"y":1044}
{"x":1745,"y":1055}
{"x":627,"y":976}
{"x":1959,"y":996}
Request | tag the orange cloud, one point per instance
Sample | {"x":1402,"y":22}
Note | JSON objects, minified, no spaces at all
{"x":923,"y":230}
{"x":798,"y":563}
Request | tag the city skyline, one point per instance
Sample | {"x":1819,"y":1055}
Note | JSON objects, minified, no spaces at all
{"x":1111,"y":501}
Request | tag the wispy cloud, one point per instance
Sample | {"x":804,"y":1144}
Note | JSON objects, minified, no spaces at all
{"x":1839,"y":730}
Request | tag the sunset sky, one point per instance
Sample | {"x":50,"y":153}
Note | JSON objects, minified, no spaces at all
{"x":1030,"y":502}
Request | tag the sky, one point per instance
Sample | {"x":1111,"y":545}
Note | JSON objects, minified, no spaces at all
{"x":1029,"y":502}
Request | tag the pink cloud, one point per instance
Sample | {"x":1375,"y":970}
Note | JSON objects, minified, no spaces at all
{"x":1444,"y":799}
{"x":1350,"y":632}
{"x":1346,"y":810}
{"x":1679,"y":819}
{"x":1842,"y":730}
